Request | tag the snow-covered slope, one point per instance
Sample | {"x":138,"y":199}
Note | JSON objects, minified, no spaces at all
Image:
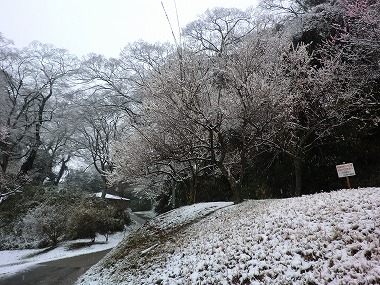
{"x":328,"y":238}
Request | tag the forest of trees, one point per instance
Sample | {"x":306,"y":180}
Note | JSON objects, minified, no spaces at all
{"x":246,"y":104}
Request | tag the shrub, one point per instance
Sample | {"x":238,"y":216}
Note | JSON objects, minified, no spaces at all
{"x":163,"y":203}
{"x":94,"y":216}
{"x":82,"y":224}
{"x":106,"y":224}
{"x":45,"y":222}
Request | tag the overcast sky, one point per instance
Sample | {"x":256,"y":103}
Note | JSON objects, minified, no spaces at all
{"x":100,"y":26}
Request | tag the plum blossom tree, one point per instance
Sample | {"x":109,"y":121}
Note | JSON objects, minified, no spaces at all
{"x":341,"y":54}
{"x":173,"y":131}
{"x":357,"y":41}
{"x":230,"y":92}
{"x":291,"y":8}
{"x":173,"y":126}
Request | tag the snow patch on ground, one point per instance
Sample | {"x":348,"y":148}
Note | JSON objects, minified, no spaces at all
{"x":327,"y":238}
{"x":147,"y":214}
{"x":184,"y":215}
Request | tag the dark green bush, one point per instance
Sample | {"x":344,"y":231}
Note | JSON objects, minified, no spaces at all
{"x":163,"y":203}
{"x":94,"y":216}
{"x":82,"y":224}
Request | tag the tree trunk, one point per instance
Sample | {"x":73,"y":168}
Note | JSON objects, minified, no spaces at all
{"x":4,"y":162}
{"x":173,"y":194}
{"x":235,"y":185}
{"x":104,"y":189}
{"x":62,"y":170}
{"x":236,"y":190}
{"x":298,"y":176}
{"x":192,"y":190}
{"x":190,"y":198}
{"x":28,"y":164}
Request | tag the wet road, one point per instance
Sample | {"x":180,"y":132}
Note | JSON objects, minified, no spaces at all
{"x":58,"y":272}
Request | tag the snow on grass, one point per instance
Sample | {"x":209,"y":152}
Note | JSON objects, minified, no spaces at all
{"x":327,"y":238}
{"x":144,"y":242}
{"x":147,"y":214}
{"x":12,"y":261}
{"x":178,"y":217}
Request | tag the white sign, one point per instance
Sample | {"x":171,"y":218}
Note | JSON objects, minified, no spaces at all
{"x":345,"y":170}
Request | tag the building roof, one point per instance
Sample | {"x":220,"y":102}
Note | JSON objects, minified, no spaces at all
{"x":110,"y":197}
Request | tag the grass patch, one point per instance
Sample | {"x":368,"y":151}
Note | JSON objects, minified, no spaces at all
{"x":79,"y":245}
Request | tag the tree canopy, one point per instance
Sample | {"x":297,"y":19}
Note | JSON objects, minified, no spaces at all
{"x":246,"y":105}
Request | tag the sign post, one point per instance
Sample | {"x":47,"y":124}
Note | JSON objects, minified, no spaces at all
{"x":346,"y":170}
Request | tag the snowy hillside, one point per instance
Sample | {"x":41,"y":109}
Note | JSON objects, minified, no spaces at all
{"x":328,"y":238}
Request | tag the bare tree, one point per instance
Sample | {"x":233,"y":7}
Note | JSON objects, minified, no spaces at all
{"x":217,"y":29}
{"x":52,"y":68}
{"x":17,"y":107}
{"x":211,"y":118}
{"x":99,"y":75}
{"x":58,"y":148}
{"x":214,"y":111}
{"x":98,"y":128}
{"x":32,"y":79}
{"x":292,"y":8}
{"x":171,"y":130}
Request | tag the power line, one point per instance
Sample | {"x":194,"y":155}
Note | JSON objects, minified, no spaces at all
{"x":171,"y":28}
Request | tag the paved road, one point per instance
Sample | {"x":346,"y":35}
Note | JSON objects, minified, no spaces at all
{"x":136,"y":218}
{"x":58,"y":272}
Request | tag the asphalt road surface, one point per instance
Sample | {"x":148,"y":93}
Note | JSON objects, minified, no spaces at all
{"x":58,"y":272}
{"x":62,"y":271}
{"x":136,"y":218}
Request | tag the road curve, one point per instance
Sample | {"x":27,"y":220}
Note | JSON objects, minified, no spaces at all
{"x":62,"y":271}
{"x":136,"y":218}
{"x":57,"y":272}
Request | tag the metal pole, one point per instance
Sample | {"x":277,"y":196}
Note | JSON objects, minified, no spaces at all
{"x":173,"y":194}
{"x":173,"y":197}
{"x":348,"y":182}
